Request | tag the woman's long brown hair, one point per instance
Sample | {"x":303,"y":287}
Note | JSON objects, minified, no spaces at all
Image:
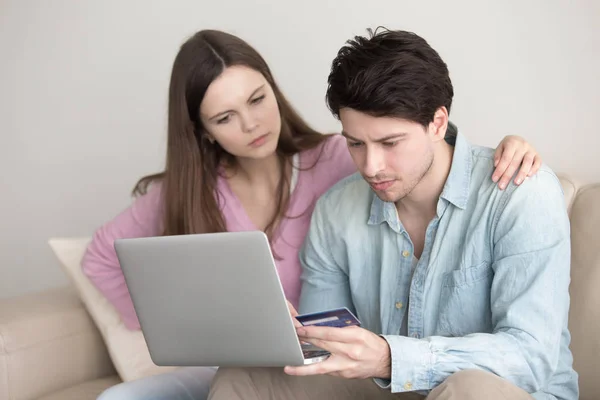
{"x":190,"y":198}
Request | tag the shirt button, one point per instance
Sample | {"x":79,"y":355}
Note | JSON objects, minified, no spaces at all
{"x":407,"y":386}
{"x":399,"y":305}
{"x":405,"y":253}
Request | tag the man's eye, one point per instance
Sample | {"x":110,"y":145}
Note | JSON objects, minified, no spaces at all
{"x":390,"y":144}
{"x":354,"y":144}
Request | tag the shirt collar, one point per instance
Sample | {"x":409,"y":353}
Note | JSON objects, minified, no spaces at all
{"x":456,"y":189}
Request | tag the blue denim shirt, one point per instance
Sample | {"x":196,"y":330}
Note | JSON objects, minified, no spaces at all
{"x":490,"y":290}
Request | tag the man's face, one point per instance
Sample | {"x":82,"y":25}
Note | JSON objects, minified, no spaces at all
{"x":392,"y":154}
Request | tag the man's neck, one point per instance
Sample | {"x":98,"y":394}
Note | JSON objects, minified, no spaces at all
{"x":422,"y":201}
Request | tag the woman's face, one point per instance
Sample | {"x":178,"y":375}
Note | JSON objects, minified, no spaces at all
{"x":240,"y":112}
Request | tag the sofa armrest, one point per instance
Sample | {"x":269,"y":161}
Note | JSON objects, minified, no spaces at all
{"x":48,"y":342}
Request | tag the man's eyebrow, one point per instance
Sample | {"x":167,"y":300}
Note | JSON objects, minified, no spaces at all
{"x":383,"y":139}
{"x":347,"y":136}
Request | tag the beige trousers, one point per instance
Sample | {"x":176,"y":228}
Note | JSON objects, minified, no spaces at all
{"x":273,"y":383}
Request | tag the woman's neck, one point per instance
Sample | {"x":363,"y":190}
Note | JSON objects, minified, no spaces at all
{"x":265,"y":173}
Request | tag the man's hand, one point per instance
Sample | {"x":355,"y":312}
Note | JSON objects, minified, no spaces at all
{"x":294,"y":314}
{"x":356,"y":353}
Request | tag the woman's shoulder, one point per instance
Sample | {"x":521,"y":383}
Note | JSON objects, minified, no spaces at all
{"x":329,"y":150}
{"x":329,"y":162}
{"x":151,"y":197}
{"x":145,"y":211}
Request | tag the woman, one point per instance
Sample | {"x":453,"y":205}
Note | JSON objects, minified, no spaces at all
{"x":238,"y":158}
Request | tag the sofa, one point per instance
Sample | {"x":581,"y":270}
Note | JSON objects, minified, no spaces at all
{"x":51,"y":349}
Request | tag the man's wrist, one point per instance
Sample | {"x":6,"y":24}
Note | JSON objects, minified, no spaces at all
{"x":385,"y":370}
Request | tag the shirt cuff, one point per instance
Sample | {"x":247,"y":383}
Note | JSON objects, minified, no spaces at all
{"x":383,"y":383}
{"x":412,"y":363}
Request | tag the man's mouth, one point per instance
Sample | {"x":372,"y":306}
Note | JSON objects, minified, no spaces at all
{"x":381,"y":185}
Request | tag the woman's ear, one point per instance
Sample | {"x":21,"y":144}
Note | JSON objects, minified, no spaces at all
{"x":210,"y":138}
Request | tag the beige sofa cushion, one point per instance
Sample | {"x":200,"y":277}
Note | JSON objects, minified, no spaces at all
{"x":584,"y":319}
{"x":569,"y":188}
{"x":86,"y":391}
{"x":47,"y":342}
{"x":127,"y":349}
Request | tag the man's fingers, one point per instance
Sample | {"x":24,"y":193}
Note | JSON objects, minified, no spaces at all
{"x":328,"y":366}
{"x":294,"y":314}
{"x":350,"y":334}
{"x":349,"y":350}
{"x":292,"y":309}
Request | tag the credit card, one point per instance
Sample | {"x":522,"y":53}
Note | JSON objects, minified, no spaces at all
{"x":338,"y":318}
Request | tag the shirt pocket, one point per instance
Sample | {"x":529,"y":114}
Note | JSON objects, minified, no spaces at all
{"x":465,"y":301}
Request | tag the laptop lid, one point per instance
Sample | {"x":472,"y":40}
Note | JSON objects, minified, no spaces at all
{"x":210,"y":300}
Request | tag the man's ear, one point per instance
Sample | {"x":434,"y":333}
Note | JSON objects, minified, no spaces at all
{"x":439,"y":125}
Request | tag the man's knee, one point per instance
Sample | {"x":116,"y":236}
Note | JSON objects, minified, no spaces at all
{"x":231,"y":374}
{"x":467,"y":384}
{"x":230,"y":382}
{"x":468,"y":379}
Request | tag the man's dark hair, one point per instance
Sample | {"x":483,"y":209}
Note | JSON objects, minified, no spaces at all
{"x":392,"y":74}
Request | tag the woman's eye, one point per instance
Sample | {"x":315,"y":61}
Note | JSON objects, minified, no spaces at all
{"x":257,"y":99}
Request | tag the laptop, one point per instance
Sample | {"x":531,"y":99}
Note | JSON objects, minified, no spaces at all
{"x":212,"y":300}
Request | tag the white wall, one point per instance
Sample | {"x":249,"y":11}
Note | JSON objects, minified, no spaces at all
{"x":83,"y":92}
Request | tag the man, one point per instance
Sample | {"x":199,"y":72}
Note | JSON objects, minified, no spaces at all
{"x":462,"y":288}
